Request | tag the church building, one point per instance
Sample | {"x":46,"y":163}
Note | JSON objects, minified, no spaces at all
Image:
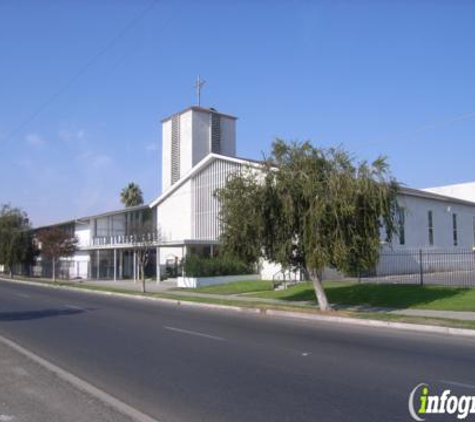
{"x":198,"y":156}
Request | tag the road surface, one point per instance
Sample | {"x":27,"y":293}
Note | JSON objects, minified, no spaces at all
{"x":180,"y":364}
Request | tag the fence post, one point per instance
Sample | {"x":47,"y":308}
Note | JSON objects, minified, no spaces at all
{"x":421,"y":268}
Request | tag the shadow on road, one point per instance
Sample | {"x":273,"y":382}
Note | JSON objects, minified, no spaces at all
{"x":44,"y":313}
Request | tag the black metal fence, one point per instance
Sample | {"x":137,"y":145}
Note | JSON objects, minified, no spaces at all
{"x":444,"y":267}
{"x":447,"y":267}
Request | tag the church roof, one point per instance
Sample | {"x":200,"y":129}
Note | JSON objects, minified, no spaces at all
{"x":197,"y":168}
{"x":200,"y":109}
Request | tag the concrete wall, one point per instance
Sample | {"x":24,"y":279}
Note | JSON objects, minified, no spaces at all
{"x":201,"y":136}
{"x":194,"y":282}
{"x":186,"y":142}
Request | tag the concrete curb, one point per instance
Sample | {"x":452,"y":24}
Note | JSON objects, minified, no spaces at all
{"x":80,"y":384}
{"x":450,"y":331}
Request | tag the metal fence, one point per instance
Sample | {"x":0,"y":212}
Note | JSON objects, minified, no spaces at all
{"x":447,"y":267}
{"x":444,"y":267}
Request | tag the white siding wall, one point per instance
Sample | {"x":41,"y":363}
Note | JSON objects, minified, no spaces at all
{"x":205,"y":205}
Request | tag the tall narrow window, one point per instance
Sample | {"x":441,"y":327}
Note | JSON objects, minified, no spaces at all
{"x":454,"y":227}
{"x":175,"y":167}
{"x":401,"y":226}
{"x":430,"y":227}
{"x":215,"y":133}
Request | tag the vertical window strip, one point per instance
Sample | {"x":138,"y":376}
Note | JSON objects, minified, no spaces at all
{"x":215,"y":133}
{"x":455,"y":231}
{"x":175,"y":158}
{"x":401,"y":226}
{"x":430,"y":219}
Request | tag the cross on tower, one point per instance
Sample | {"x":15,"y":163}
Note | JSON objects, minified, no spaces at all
{"x":199,"y":83}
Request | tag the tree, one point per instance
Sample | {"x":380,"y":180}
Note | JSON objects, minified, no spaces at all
{"x":131,"y":195}
{"x":144,"y":236}
{"x":16,"y":240}
{"x":56,"y":243}
{"x":310,"y":208}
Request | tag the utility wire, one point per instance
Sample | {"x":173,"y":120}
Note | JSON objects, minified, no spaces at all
{"x":80,"y":72}
{"x":420,"y":129}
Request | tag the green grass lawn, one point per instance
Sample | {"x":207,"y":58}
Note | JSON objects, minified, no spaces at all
{"x":383,"y":295}
{"x":236,"y":287}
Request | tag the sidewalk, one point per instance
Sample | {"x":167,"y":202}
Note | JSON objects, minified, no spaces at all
{"x":465,"y":316}
{"x":30,"y":393}
{"x":167,"y":286}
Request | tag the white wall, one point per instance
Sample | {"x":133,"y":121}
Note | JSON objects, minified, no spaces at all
{"x":83,"y":233}
{"x":195,"y":141}
{"x":416,"y":223}
{"x":201,"y":136}
{"x":205,"y":206}
{"x":174,"y":214}
{"x":186,"y":142}
{"x":194,"y":282}
{"x":80,"y":265}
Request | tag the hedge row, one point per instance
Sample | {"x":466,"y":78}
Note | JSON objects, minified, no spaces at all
{"x":195,"y":266}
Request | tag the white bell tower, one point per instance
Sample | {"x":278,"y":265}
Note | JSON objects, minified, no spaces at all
{"x":192,"y":134}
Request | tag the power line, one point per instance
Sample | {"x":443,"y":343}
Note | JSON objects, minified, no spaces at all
{"x":425,"y":128}
{"x":123,"y":31}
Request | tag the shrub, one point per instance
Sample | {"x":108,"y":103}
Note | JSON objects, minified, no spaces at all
{"x":195,"y":266}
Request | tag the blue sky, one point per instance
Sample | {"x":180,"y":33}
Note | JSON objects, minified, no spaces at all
{"x":83,"y":86}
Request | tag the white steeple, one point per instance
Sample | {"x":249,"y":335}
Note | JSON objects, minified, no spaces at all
{"x":192,"y":134}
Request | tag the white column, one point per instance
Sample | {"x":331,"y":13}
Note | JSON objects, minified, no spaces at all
{"x":98,"y":261}
{"x":121,"y":264}
{"x":157,"y":253}
{"x":134,"y":261}
{"x":183,"y":256}
{"x":115,"y":264}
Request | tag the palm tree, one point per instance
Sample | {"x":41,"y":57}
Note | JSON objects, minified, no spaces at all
{"x":131,"y":195}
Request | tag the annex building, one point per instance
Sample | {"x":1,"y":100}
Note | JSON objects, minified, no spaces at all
{"x":198,"y":155}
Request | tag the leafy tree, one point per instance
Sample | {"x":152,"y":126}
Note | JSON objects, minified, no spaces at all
{"x":56,"y":243}
{"x":310,"y":208}
{"x":16,"y":239}
{"x":131,"y":195}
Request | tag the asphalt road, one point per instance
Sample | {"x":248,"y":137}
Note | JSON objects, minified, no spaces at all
{"x":180,"y":364}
